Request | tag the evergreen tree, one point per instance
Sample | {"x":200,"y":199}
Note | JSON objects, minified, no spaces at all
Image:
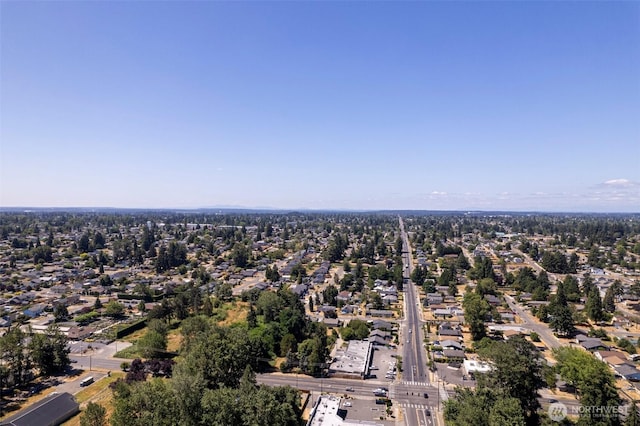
{"x":593,"y":307}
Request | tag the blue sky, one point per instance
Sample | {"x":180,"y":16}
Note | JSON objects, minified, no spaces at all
{"x":324,"y":105}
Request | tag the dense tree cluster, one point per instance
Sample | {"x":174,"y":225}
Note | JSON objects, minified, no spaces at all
{"x":21,"y":353}
{"x":187,"y":400}
{"x":593,"y":380}
{"x":556,"y":262}
{"x":336,"y":248}
{"x":355,"y":330}
{"x":170,"y":257}
{"x":508,"y":395}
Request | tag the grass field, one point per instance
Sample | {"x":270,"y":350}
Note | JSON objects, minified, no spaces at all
{"x":98,"y":393}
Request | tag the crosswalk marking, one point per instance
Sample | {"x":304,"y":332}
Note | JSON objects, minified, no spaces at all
{"x":425,"y":384}
{"x":408,"y":405}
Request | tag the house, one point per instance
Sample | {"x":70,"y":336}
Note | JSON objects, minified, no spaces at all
{"x":473,"y":367}
{"x":328,"y":311}
{"x":344,"y":296}
{"x":35,"y":310}
{"x":441,"y":312}
{"x":379,"y":313}
{"x":299,"y":289}
{"x":508,"y":334}
{"x":380,"y":333}
{"x":451,"y":344}
{"x":377,"y":341}
{"x":589,"y":343}
{"x":507,"y":316}
{"x":261,"y":286}
{"x":390,"y":299}
{"x":603,"y":355}
{"x":493,"y":300}
{"x":454,"y":354}
{"x":434,"y":298}
{"x":349,"y":309}
{"x":381,"y":324}
{"x":247,"y":273}
{"x":446,"y":329}
{"x":331,"y":322}
{"x":628,"y":372}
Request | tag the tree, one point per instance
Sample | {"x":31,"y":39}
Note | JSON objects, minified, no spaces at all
{"x":15,"y":357}
{"x":613,"y":292}
{"x":355,"y":330}
{"x":49,"y":351}
{"x":42,"y":254}
{"x":608,"y":302}
{"x":114,"y":309}
{"x":633,"y":419}
{"x":152,"y":344}
{"x":593,"y":380}
{"x":60,"y":312}
{"x":329,"y":295}
{"x":593,"y":307}
{"x":517,"y":372}
{"x":93,"y":415}
{"x":272,"y":274}
{"x":560,"y":313}
{"x":418,"y":275}
{"x":475,"y":311}
{"x":562,"y":320}
{"x":240,"y":255}
{"x":97,"y":304}
{"x":224,"y":291}
{"x":469,"y":407}
{"x":507,"y":412}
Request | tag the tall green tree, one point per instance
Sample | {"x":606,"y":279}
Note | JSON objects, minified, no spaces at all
{"x":475,"y":312}
{"x":594,"y":382}
{"x":593,"y":306}
{"x":15,"y":356}
{"x":49,"y":351}
{"x":517,"y":372}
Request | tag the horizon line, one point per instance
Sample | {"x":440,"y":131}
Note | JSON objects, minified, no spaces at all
{"x":26,"y":209}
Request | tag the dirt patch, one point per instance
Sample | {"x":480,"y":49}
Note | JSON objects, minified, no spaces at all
{"x":174,"y":341}
{"x":235,"y":312}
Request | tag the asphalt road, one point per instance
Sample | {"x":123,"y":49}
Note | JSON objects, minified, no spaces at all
{"x":546,"y":335}
{"x":410,"y":393}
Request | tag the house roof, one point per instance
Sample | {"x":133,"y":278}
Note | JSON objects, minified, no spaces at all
{"x":626,"y":370}
{"x":449,"y":332}
{"x":592,"y":344}
{"x":450,"y":344}
{"x":454,"y":353}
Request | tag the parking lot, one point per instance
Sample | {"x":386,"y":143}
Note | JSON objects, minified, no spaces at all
{"x":383,"y":362}
{"x":365,"y":410}
{"x":453,"y":376}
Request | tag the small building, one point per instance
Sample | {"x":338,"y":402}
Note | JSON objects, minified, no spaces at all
{"x":628,"y":372}
{"x":379,"y":313}
{"x":454,"y":354}
{"x":472,"y":367}
{"x":54,"y":409}
{"x":35,"y":310}
{"x":352,"y":362}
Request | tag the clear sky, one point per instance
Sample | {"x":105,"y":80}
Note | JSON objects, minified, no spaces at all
{"x":506,"y":105}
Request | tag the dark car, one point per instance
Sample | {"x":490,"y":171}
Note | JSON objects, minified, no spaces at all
{"x":426,"y":395}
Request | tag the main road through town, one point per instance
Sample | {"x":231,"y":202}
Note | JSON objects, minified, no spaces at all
{"x":415,"y":377}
